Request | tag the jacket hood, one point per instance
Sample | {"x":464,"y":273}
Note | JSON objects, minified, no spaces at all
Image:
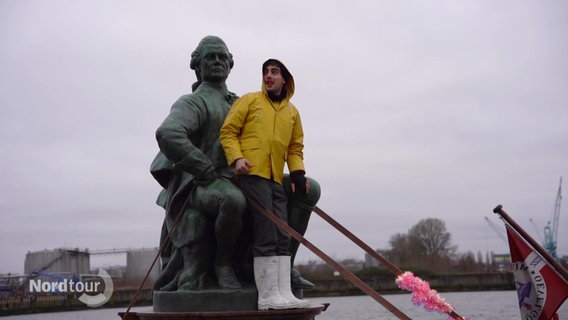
{"x":289,"y":86}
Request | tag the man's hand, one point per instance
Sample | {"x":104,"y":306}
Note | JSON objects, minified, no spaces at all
{"x":299,"y":182}
{"x":242,"y":166}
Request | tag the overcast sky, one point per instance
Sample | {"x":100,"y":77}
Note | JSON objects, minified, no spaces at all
{"x":411,"y":110}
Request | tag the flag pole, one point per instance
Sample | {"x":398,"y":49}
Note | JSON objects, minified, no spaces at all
{"x":559,"y":269}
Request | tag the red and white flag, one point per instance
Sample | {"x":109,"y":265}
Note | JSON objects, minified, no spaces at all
{"x":541,"y":290}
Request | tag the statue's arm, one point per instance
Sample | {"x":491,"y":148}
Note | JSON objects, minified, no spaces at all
{"x":175,"y":136}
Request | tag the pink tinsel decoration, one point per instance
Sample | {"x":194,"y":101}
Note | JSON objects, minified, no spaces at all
{"x":422,"y":294}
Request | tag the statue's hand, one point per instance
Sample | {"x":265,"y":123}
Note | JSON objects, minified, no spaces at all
{"x":206,"y":178}
{"x":299,"y":182}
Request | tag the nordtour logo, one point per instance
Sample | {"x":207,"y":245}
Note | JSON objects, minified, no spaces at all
{"x":94,"y":292}
{"x":531,"y":288}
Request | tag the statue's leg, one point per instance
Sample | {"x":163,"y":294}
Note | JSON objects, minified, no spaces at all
{"x":228,"y":226}
{"x":300,"y":207}
{"x":193,"y":236}
{"x":195,"y":274}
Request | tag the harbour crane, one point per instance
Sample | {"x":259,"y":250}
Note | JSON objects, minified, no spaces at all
{"x":551,"y":229}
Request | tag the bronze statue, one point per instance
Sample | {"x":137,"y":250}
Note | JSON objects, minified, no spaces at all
{"x":206,"y":227}
{"x":191,"y":163}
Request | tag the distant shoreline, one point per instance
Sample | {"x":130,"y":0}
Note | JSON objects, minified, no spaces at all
{"x":331,"y":287}
{"x":443,"y":283}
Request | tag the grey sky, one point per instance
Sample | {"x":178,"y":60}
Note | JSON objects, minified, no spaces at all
{"x":411,"y":110}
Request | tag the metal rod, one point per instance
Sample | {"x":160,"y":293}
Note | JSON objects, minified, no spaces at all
{"x":559,"y":269}
{"x":346,"y":273}
{"x":394,"y":269}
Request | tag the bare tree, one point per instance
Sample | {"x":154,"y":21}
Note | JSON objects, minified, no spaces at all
{"x":400,"y":252}
{"x":427,"y":245}
{"x":432,"y":238}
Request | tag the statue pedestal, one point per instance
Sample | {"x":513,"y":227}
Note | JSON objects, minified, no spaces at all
{"x":288,"y":314}
{"x":205,"y":300}
{"x":238,"y":304}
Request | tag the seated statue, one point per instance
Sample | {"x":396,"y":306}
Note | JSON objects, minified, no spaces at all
{"x":203,"y":206}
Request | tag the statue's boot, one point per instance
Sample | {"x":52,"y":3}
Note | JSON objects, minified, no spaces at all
{"x":226,"y":278}
{"x":170,"y":286}
{"x":187,"y":281}
{"x":299,"y":282}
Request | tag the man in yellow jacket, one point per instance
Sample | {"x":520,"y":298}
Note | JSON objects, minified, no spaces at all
{"x":261,"y":133}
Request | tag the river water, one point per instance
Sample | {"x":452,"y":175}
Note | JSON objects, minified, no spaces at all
{"x":486,"y":305}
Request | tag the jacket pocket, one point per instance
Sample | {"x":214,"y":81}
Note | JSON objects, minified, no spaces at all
{"x":250,"y":144}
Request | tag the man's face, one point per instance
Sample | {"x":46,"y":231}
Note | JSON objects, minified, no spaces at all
{"x":273,"y":80}
{"x":215,"y":64}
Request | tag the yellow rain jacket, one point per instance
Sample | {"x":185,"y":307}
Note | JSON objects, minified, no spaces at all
{"x":266,"y":133}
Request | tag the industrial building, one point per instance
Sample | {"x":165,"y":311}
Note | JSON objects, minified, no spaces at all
{"x":66,"y":263}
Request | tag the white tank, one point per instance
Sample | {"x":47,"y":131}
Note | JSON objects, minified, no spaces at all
{"x":70,"y":261}
{"x":138,"y":262}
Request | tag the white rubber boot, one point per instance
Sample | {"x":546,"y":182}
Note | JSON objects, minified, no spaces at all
{"x":284,"y":284}
{"x":266,"y":278}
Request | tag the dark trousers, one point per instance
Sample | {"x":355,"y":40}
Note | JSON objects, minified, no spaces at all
{"x":268,"y":239}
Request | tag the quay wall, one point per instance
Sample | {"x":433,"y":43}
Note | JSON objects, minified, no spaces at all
{"x":385,"y":284}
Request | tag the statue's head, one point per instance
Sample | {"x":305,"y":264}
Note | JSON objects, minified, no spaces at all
{"x":211,"y":60}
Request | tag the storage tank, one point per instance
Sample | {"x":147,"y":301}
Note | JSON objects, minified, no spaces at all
{"x":138,"y":262}
{"x":70,"y":261}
